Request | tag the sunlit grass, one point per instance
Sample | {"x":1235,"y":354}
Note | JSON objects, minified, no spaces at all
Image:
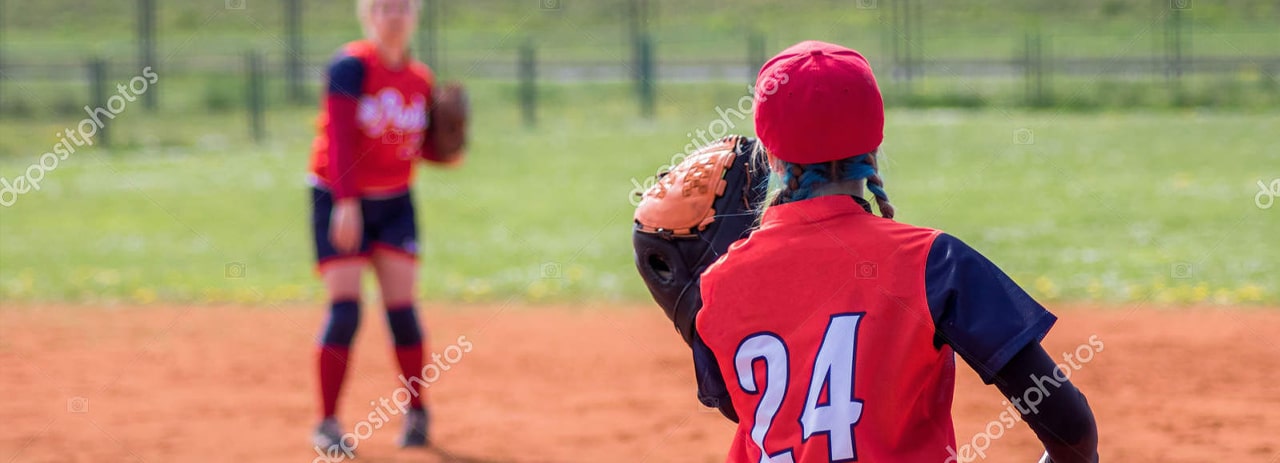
{"x":1107,"y":207}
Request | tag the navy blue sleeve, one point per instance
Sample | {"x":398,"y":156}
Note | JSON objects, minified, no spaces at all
{"x":712,"y":390}
{"x":977,"y":309}
{"x":1061,"y":416}
{"x":346,"y":76}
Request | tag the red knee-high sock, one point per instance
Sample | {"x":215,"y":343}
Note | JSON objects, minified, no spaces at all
{"x":333,"y":352}
{"x":410,"y":360}
{"x":408,"y":338}
{"x":332,"y":362}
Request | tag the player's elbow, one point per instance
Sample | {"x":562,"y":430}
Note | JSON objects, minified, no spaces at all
{"x":1073,"y":437}
{"x":450,"y":164}
{"x":452,"y":161}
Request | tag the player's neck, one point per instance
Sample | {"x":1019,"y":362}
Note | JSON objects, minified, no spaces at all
{"x":393,"y":57}
{"x":851,"y":188}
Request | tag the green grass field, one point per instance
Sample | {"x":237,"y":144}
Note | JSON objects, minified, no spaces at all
{"x":1099,"y":206}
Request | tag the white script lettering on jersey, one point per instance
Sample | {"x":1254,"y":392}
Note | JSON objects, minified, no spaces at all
{"x":387,"y":110}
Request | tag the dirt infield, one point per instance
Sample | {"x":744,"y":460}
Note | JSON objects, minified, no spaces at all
{"x":560,"y":384}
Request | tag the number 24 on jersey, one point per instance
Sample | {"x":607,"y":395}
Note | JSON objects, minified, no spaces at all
{"x":833,"y":369}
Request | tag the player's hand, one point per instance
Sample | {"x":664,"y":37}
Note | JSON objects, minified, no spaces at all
{"x":345,"y":225}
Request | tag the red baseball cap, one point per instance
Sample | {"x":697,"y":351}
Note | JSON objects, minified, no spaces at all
{"x":818,"y":102}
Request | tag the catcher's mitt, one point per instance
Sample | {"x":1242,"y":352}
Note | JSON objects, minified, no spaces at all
{"x":689,"y":218}
{"x":447,"y":132}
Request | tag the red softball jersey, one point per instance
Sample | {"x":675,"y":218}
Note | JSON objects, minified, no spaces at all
{"x":373,"y":123}
{"x":833,"y":330}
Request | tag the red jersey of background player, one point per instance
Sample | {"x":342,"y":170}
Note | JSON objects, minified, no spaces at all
{"x":391,"y":114}
{"x":862,"y":305}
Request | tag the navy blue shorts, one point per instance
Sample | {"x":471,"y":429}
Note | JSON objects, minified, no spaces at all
{"x":389,"y":224}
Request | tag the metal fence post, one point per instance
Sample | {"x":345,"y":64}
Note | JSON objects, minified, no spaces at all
{"x":646,"y":77}
{"x":895,"y":16}
{"x":255,"y":102}
{"x":1037,"y":50}
{"x":293,"y":53}
{"x":1026,"y":68}
{"x":429,"y":39}
{"x":3,"y":107}
{"x":147,"y":45}
{"x":915,"y":49}
{"x":1046,"y":70}
{"x":1033,"y":69}
{"x":904,"y":19}
{"x":755,"y":54}
{"x":528,"y":84}
{"x":1176,"y":56}
{"x":638,"y":30}
{"x":98,"y":97}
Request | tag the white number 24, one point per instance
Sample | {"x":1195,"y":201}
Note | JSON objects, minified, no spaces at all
{"x":833,"y":368}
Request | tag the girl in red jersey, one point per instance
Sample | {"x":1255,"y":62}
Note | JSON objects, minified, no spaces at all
{"x":371,"y":131}
{"x":837,"y":330}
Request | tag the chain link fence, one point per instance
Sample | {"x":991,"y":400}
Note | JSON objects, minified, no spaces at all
{"x":927,"y":53}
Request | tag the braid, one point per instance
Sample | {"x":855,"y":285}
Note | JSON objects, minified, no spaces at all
{"x":812,"y":176}
{"x":790,"y":180}
{"x":799,"y":181}
{"x":876,"y":185}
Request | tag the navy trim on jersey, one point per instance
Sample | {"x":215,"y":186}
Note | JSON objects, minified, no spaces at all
{"x":712,"y":390}
{"x":866,"y":206}
{"x":977,"y":309}
{"x":346,"y":76}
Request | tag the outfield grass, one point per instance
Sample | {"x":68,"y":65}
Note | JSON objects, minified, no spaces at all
{"x":1104,"y":206}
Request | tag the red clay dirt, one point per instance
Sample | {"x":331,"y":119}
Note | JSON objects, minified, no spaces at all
{"x":562,"y":384}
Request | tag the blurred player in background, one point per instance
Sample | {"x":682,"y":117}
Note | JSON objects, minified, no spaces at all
{"x":836,"y":328}
{"x":372,"y":129}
